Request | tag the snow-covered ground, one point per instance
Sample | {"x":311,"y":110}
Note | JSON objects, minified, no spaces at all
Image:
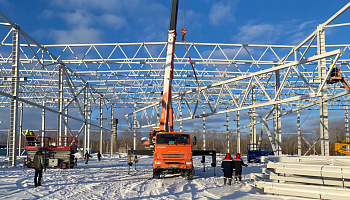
{"x":108,"y":179}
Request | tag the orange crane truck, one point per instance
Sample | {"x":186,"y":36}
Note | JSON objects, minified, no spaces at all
{"x":172,"y":151}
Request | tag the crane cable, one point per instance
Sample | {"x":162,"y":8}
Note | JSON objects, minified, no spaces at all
{"x":183,"y":33}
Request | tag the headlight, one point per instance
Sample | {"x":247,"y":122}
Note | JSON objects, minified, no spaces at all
{"x":157,"y":162}
{"x":188,"y":163}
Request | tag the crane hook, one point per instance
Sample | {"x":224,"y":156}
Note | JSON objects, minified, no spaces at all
{"x":183,"y":33}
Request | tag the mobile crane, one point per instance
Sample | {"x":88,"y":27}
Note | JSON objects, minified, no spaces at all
{"x":172,"y":151}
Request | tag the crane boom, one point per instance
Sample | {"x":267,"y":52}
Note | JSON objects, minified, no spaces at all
{"x":166,"y":115}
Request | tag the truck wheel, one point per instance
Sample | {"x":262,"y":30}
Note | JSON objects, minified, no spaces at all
{"x":189,"y":174}
{"x":63,"y":165}
{"x":30,"y":165}
{"x":156,"y":174}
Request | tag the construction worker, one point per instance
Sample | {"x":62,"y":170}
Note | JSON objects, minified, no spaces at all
{"x":27,"y":133}
{"x":238,"y":164}
{"x":227,"y":166}
{"x":333,"y":70}
{"x":39,"y":165}
{"x":32,"y":133}
{"x":32,"y":138}
{"x":99,"y":156}
{"x":87,"y":156}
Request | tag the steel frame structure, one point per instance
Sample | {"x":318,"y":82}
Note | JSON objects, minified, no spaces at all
{"x":232,"y":78}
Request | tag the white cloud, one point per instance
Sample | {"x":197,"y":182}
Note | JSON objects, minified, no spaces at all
{"x":77,"y":35}
{"x":259,"y":33}
{"x":299,"y":33}
{"x":78,"y":18}
{"x":104,"y":5}
{"x":221,"y":12}
{"x":112,"y":21}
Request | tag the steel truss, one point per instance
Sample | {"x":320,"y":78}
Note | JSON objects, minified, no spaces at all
{"x":232,"y":77}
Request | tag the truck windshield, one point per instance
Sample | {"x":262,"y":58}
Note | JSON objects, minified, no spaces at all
{"x":173,"y":139}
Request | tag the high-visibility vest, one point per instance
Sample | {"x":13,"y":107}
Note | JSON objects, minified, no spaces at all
{"x":330,"y":66}
{"x":27,"y":133}
{"x":32,"y":133}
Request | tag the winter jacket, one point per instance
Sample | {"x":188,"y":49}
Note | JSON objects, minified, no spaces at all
{"x":238,"y":163}
{"x":227,"y":166}
{"x":87,"y":155}
{"x":38,"y":161}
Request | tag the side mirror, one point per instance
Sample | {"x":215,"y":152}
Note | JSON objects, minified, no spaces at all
{"x":194,"y":140}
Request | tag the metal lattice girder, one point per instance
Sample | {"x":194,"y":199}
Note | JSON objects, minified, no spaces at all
{"x":124,"y":73}
{"x":244,"y":102}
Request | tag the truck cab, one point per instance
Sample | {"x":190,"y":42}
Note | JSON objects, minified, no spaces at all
{"x":172,"y":153}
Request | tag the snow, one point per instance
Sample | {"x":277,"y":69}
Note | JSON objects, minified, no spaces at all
{"x":109,"y":179}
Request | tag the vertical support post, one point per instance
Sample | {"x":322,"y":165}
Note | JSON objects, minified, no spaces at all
{"x":20,"y":129}
{"x":322,"y":72}
{"x":253,"y":141}
{"x":158,"y":116}
{"x":14,"y":94}
{"x":60,"y":102}
{"x":347,"y":132}
{"x":85,"y":118}
{"x":42,"y":125}
{"x":66,"y":119}
{"x":134,"y":119}
{"x":101,"y":124}
{"x":227,"y":132}
{"x":277,"y":117}
{"x":204,"y":133}
{"x":112,"y":130}
{"x":88,"y":136}
{"x":238,"y":133}
{"x":180,"y":112}
{"x":299,"y":133}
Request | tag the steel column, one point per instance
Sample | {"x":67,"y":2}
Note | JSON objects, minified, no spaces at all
{"x":347,"y":132}
{"x":322,"y":70}
{"x":101,"y":124}
{"x":88,"y":136}
{"x":134,"y":119}
{"x":299,"y":133}
{"x":180,"y":112}
{"x":158,"y":115}
{"x":227,"y":132}
{"x":277,"y":116}
{"x":60,"y":101}
{"x":204,"y":133}
{"x":42,"y":124}
{"x":253,"y":141}
{"x":85,"y":120}
{"x":112,"y":130}
{"x":238,"y":134}
{"x":14,"y":94}
{"x":20,"y":129}
{"x":66,"y":119}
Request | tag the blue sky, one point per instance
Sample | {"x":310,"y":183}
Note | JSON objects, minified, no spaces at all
{"x":212,"y":21}
{"x":221,"y":21}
